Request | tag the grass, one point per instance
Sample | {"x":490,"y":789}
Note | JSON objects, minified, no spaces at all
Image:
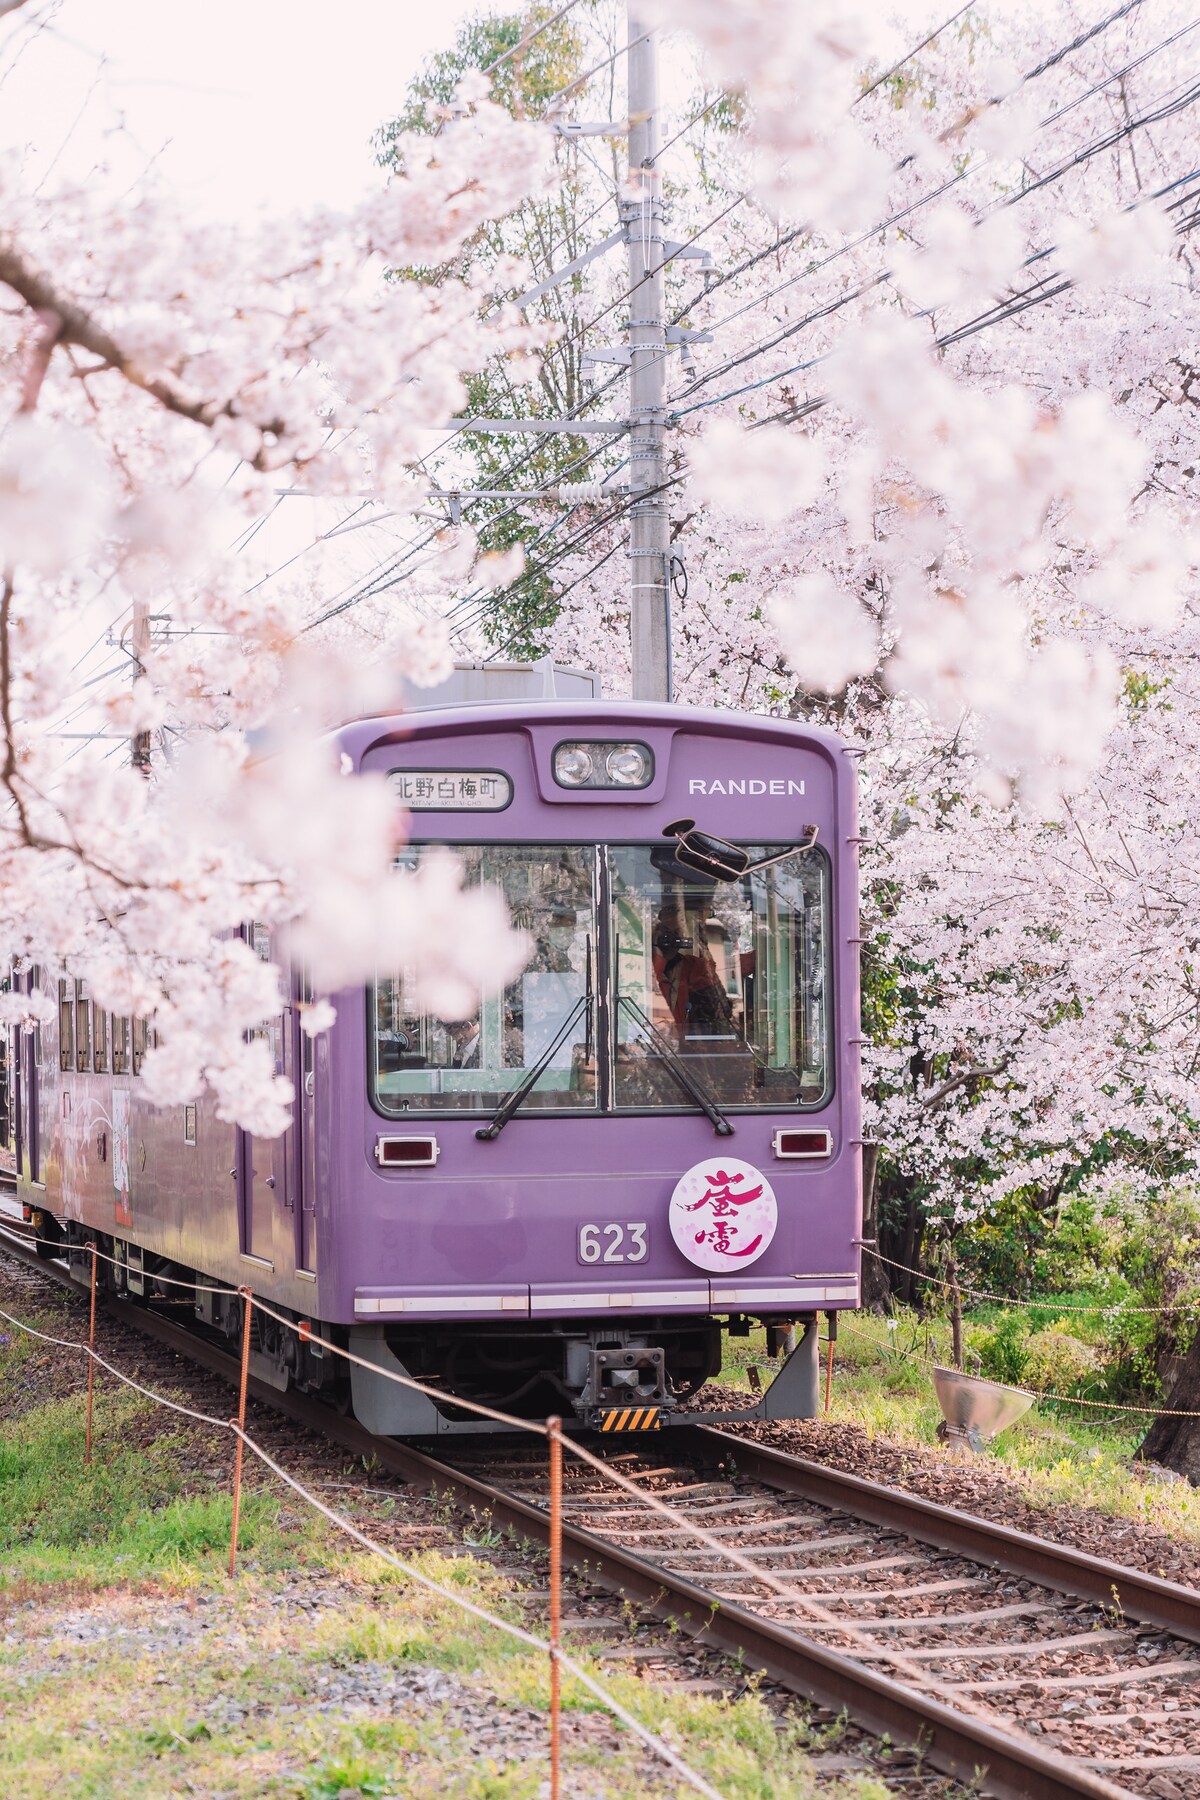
{"x":241,"y":1710}
{"x":131,"y":1665}
{"x":1057,"y":1455}
{"x":135,"y":1512}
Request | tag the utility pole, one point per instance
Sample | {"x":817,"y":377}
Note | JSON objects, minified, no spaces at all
{"x":139,"y":745}
{"x":650,"y":525}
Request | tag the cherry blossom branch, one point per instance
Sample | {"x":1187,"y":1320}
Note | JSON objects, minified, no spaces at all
{"x":39,"y":362}
{"x":942,"y":1093}
{"x":76,"y":326}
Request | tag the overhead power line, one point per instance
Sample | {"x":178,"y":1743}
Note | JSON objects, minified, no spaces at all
{"x":1161,"y":110}
{"x":998,"y":315}
{"x":915,"y":51}
{"x":727,"y":276}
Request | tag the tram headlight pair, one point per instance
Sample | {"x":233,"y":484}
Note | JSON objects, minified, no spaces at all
{"x":578,"y":765}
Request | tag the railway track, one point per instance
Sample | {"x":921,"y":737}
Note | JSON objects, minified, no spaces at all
{"x":1029,"y":1668}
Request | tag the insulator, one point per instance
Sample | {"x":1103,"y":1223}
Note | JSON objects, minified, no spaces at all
{"x":573,"y":493}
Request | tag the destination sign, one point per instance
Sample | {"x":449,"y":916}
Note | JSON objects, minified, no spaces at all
{"x":451,"y":790}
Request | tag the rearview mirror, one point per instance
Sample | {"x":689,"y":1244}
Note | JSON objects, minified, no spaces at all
{"x":719,"y":859}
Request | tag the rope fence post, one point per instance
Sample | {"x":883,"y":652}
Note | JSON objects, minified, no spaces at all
{"x":240,"y":1422}
{"x":554,"y":1429}
{"x":87,"y":1448}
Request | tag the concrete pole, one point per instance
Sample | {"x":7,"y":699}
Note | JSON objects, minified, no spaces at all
{"x":650,"y":527}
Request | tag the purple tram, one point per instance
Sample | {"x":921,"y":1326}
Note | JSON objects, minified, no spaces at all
{"x":552,"y":1206}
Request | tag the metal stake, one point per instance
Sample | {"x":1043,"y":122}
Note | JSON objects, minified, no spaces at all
{"x":87,"y":1452}
{"x":556,"y":1473}
{"x":240,"y":1422}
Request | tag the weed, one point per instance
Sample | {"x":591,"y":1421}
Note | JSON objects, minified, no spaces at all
{"x":346,"y":1775}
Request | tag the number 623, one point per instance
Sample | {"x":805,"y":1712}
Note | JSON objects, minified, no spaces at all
{"x":625,"y":1243}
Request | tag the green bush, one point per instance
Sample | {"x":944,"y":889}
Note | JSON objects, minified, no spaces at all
{"x":1001,"y":1348}
{"x":1057,"y":1362}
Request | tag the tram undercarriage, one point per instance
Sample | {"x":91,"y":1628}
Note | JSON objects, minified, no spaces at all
{"x":637,"y":1376}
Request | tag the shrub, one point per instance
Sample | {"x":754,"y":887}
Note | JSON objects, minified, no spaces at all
{"x":1001,"y":1348}
{"x":1056,"y":1361}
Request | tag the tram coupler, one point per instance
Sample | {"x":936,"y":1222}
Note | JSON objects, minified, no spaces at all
{"x":618,"y":1379}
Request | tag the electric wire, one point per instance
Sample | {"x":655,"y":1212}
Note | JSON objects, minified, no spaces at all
{"x":915,"y":51}
{"x":488,"y":604}
{"x":997,"y":316}
{"x":726,"y":276}
{"x":1084,"y":37}
{"x":587,"y":532}
{"x":738,"y":200}
{"x":1164,"y":108}
{"x":584,"y":536}
{"x":582,"y":80}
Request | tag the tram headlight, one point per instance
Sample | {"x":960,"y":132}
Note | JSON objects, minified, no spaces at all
{"x":574,"y":765}
{"x":628,"y":765}
{"x":603,"y":765}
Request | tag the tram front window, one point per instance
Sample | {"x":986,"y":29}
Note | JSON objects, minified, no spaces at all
{"x":422,"y":1063}
{"x":732,"y":976}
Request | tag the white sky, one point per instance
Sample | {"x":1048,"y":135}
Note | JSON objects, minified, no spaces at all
{"x":246,"y":103}
{"x":243,"y":106}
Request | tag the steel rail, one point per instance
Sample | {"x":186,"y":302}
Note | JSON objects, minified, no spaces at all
{"x":1149,"y":1599}
{"x":964,"y":1745}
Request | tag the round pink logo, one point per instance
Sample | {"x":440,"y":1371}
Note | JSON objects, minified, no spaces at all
{"x":723,"y":1213}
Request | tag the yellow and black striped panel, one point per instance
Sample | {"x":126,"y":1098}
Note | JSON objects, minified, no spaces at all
{"x":631,"y":1418}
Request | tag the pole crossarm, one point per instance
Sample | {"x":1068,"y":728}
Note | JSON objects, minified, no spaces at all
{"x":569,"y":427}
{"x":572,"y":268}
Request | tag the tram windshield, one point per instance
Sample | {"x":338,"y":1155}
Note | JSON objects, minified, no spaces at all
{"x":423,"y":1063}
{"x":694,"y":986}
{"x":729,"y":977}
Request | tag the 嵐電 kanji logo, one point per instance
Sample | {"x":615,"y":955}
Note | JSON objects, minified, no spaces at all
{"x":723,"y":1213}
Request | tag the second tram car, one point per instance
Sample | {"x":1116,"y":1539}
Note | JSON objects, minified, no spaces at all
{"x":553,"y":1205}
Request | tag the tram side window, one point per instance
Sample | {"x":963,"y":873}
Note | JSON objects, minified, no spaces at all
{"x":83,"y":1031}
{"x":66,"y":1027}
{"x":120,"y":1045}
{"x":422,"y":1061}
{"x":100,"y":1041}
{"x":141,"y":1037}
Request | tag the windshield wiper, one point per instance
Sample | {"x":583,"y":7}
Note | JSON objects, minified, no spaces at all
{"x":678,"y":1068}
{"x":525,"y":1087}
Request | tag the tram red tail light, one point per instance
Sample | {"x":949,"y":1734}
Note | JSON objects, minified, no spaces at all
{"x":406,"y":1152}
{"x":798,"y":1145}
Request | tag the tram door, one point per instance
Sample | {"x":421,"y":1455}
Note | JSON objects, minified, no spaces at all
{"x":16,"y":1110}
{"x":304,"y":1054}
{"x":264,"y":1164}
{"x":26,"y":1049}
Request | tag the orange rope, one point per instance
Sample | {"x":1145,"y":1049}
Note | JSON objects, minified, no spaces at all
{"x":1100,"y":1306}
{"x":1154,"y":1412}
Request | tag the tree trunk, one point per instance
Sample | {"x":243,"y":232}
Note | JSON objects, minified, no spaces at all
{"x":1175,"y":1443}
{"x":876,"y":1285}
{"x":910,"y":1249}
{"x":956,"y":1337}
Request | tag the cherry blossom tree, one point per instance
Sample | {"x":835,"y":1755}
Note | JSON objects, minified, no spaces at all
{"x":160,"y":382}
{"x":938,"y":489}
